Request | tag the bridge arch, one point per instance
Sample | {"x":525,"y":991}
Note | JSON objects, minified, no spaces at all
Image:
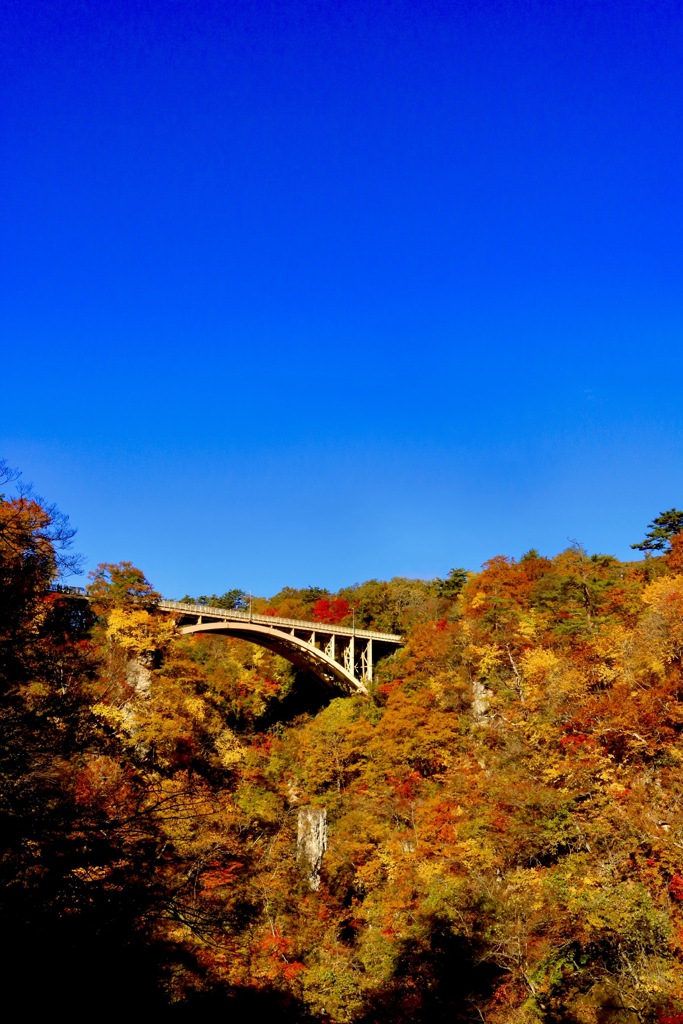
{"x":295,"y":649}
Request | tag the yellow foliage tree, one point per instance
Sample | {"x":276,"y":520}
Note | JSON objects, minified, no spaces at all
{"x":138,"y":631}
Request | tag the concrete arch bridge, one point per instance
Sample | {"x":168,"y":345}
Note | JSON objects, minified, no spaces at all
{"x":340,"y":656}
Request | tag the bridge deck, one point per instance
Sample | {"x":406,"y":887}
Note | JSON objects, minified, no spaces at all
{"x":274,"y":621}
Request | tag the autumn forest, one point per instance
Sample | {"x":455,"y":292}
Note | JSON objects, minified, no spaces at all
{"x":503,"y":813}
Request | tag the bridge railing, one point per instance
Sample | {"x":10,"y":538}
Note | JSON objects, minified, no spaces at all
{"x":274,"y":620}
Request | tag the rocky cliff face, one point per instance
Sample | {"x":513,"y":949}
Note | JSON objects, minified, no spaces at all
{"x":311,"y":842}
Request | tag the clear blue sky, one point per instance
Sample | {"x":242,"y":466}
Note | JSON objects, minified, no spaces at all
{"x":306,"y":292}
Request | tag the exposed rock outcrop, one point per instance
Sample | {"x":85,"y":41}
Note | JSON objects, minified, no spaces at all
{"x":311,"y":842}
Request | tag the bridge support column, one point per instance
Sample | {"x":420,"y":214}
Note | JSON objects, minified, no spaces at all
{"x":350,"y":656}
{"x":366,"y":662}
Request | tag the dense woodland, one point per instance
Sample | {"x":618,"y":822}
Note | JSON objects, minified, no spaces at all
{"x":505,"y":811}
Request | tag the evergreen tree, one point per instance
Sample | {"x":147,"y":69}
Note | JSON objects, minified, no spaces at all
{"x":661,"y":530}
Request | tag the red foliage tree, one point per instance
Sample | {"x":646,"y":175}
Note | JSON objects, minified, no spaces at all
{"x":331,"y":610}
